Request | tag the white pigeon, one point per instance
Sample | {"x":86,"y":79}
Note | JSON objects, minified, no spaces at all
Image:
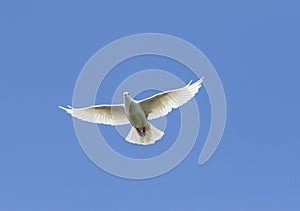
{"x":137,"y":113}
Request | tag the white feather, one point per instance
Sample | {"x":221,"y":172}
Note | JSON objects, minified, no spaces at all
{"x":138,"y":112}
{"x":162,"y":103}
{"x":102,"y":114}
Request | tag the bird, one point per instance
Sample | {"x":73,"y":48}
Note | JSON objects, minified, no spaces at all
{"x":138,"y":112}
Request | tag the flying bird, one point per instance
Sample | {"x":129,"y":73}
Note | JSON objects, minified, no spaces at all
{"x":137,"y":113}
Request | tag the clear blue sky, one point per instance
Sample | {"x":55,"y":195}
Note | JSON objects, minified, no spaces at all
{"x":254,"y":46}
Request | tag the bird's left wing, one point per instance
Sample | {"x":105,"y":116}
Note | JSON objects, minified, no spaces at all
{"x":101,"y":114}
{"x":161,"y":104}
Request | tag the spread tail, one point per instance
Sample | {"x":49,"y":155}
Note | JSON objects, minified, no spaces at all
{"x":152,"y":135}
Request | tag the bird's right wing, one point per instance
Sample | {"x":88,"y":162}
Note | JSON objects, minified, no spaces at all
{"x":161,"y":104}
{"x":101,"y":114}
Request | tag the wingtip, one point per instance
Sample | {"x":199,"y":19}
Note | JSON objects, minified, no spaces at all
{"x":201,"y":80}
{"x":63,"y":108}
{"x":68,"y":110}
{"x":197,"y":82}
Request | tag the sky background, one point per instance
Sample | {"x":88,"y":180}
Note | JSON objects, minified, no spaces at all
{"x":254,"y":47}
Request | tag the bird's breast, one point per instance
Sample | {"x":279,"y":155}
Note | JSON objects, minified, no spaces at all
{"x":136,"y":115}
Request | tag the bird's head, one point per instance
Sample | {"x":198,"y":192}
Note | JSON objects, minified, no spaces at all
{"x":127,"y":98}
{"x":125,"y":94}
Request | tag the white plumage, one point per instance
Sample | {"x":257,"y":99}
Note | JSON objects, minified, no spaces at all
{"x":137,"y":113}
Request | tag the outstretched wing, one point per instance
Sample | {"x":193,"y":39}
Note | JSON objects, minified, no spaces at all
{"x":101,"y":114}
{"x":162,"y":103}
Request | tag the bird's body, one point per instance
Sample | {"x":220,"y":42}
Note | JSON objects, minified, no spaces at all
{"x":137,"y":113}
{"x":142,"y":131}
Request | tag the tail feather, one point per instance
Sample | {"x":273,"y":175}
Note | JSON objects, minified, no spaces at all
{"x":152,"y":135}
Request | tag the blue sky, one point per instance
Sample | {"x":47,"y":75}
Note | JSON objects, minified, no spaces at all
{"x":254,"y":46}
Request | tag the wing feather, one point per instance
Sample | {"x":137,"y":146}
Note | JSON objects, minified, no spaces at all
{"x":101,"y":114}
{"x":162,"y":103}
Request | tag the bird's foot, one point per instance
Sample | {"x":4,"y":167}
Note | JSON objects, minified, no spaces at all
{"x":141,"y":131}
